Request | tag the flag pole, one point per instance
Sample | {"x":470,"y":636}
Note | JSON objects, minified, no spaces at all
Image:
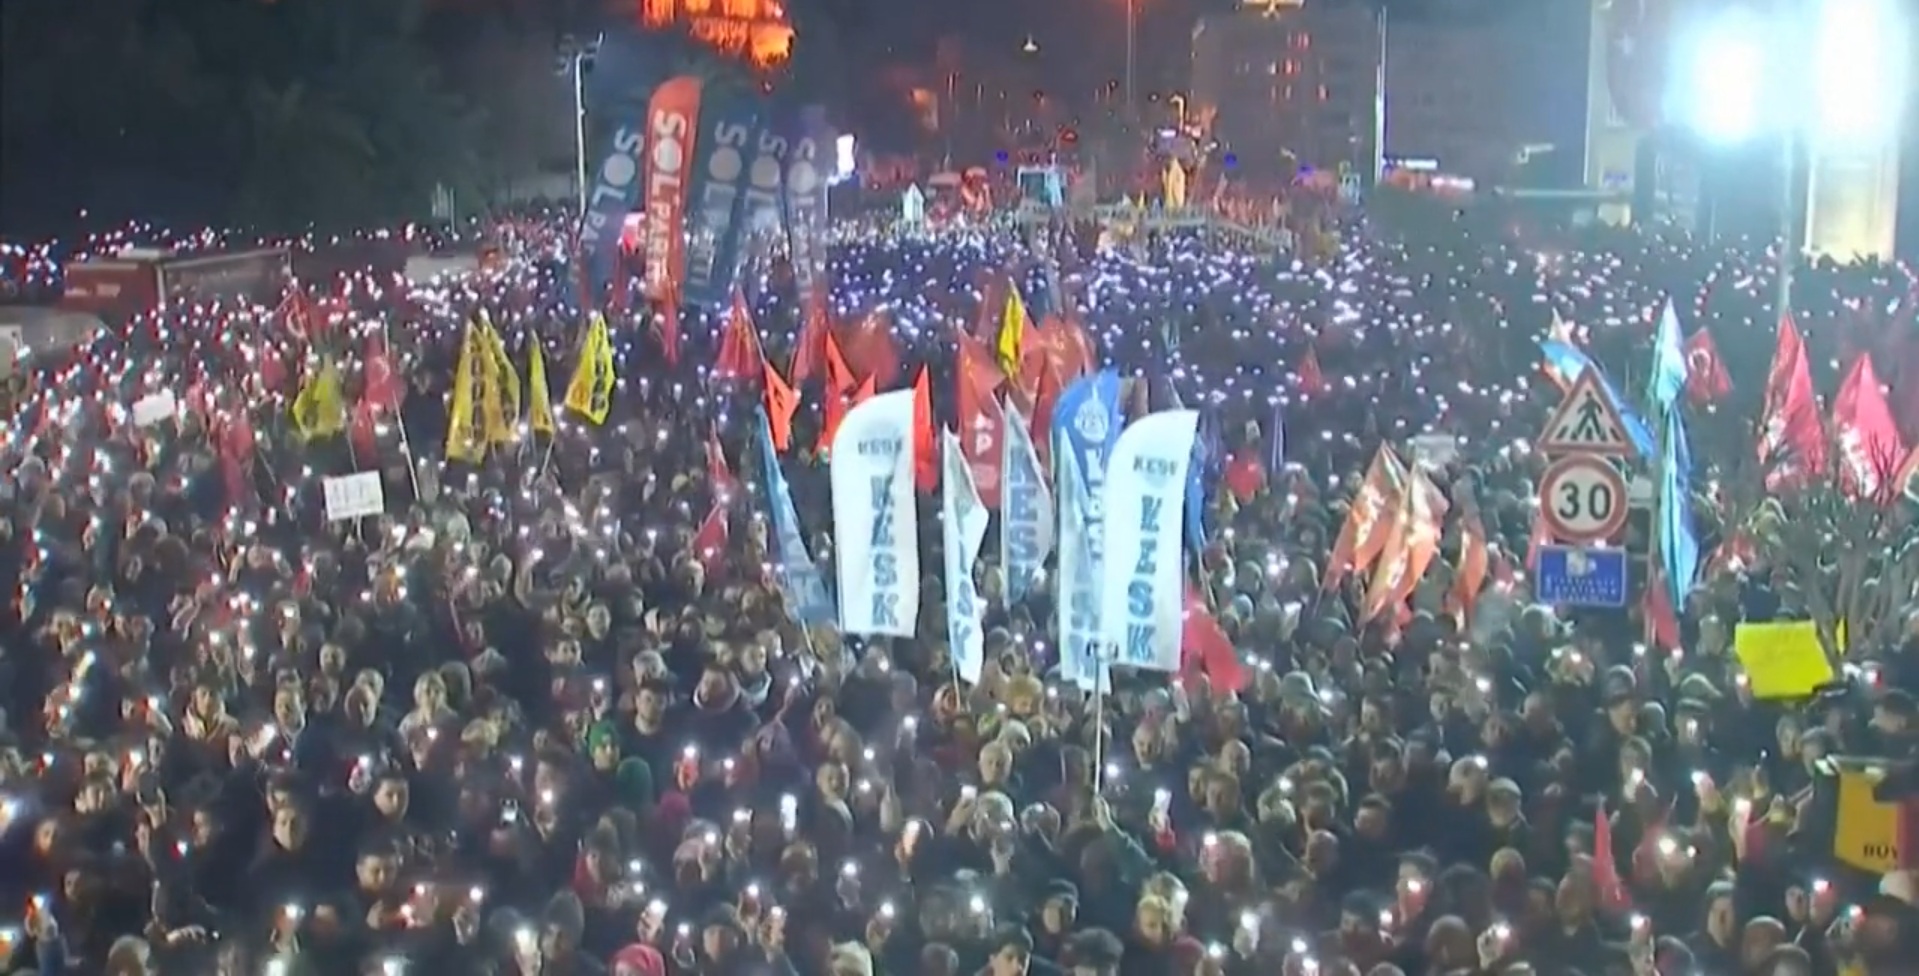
{"x":1100,"y":679}
{"x":399,"y":419}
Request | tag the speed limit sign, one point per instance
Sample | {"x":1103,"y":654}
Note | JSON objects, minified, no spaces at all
{"x":1583,"y":499}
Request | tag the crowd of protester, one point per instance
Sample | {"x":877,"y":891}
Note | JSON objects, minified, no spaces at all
{"x":520,"y":725}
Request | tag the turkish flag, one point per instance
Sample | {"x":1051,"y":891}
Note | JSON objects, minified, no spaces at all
{"x":1706,"y":378}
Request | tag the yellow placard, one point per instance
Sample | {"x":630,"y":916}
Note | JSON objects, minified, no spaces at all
{"x":1782,"y":660}
{"x":1865,"y":832}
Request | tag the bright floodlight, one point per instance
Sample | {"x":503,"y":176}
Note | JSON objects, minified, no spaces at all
{"x":1724,"y":76}
{"x":1858,"y":70}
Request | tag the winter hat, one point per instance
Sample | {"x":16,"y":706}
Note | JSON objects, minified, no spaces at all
{"x":633,"y":780}
{"x":566,"y":914}
{"x":640,"y":959}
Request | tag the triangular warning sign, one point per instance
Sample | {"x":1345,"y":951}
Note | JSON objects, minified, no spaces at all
{"x":1586,"y":422}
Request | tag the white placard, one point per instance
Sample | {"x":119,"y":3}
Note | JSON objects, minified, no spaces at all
{"x":913,"y":206}
{"x":155,"y":408}
{"x":354,"y":496}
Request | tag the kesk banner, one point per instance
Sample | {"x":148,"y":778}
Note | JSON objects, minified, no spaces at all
{"x":875,"y":522}
{"x":1086,"y":422}
{"x":1026,"y":509}
{"x":804,"y":192}
{"x":807,"y":599}
{"x":964,"y":528}
{"x":1141,"y":581}
{"x":717,"y":197}
{"x":672,"y":139}
{"x":617,"y":91}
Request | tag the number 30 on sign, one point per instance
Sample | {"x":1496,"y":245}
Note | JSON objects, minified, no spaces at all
{"x":1583,"y":499}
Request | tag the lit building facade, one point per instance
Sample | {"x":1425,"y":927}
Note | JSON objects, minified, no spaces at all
{"x":1291,"y":80}
{"x":1452,"y":90}
{"x":756,"y":30}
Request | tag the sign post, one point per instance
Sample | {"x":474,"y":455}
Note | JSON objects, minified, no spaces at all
{"x":1583,"y":500}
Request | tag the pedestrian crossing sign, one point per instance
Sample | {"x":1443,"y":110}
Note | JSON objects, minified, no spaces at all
{"x":1586,"y":422}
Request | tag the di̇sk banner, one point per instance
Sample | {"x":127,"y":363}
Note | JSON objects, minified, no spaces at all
{"x":875,"y":521}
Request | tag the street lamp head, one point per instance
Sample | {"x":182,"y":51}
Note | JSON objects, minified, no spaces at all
{"x":1722,"y":76}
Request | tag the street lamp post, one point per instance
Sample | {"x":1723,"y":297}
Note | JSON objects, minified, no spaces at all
{"x":1132,"y":45}
{"x":576,"y":59}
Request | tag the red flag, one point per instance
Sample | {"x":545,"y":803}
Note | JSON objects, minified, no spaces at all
{"x":1244,"y":475}
{"x":717,"y":470}
{"x":869,"y":349}
{"x":1791,"y":435}
{"x":709,"y":543}
{"x":364,"y":432}
{"x":1662,"y":624}
{"x":381,"y":384}
{"x":782,"y":401}
{"x":1204,"y":646}
{"x":1312,"y":381}
{"x":1870,"y":449}
{"x":295,"y":313}
{"x":1470,"y":575}
{"x":981,"y":421}
{"x":811,"y":347}
{"x":1612,"y":891}
{"x":840,"y":377}
{"x":1044,"y":399}
{"x":236,"y":443}
{"x":740,"y":356}
{"x":926,"y":468}
{"x":837,"y":404}
{"x":1706,"y":378}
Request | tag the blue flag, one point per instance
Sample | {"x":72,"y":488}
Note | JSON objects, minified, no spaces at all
{"x":1668,"y":376}
{"x":1678,"y":544}
{"x":1570,"y":362}
{"x":1086,"y":424}
{"x":1276,"y":441}
{"x":807,"y":599}
{"x":618,"y":88}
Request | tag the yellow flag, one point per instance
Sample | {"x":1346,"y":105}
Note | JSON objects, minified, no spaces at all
{"x":590,"y":392}
{"x":499,"y":387}
{"x":319,"y":410}
{"x":539,"y":411}
{"x":1012,"y":332}
{"x":462,"y":439}
{"x":1174,"y":190}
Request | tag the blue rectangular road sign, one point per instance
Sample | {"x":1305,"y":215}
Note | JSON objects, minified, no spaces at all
{"x":1575,"y":576}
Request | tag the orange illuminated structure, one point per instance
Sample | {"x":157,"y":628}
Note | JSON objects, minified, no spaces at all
{"x":756,"y":30}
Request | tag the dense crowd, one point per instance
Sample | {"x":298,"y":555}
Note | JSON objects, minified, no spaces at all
{"x":537,"y":719}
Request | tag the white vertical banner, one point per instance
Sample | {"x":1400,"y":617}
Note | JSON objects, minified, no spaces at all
{"x":875,"y":523}
{"x":1025,"y":508}
{"x":963,"y":527}
{"x":1141,"y":592}
{"x":1084,"y":666}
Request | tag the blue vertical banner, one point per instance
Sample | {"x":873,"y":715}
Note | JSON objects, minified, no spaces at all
{"x":1086,"y":424}
{"x":809,"y":163}
{"x":724,"y":154}
{"x":618,"y":89}
{"x":807,"y":599}
{"x":1026,"y":508}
